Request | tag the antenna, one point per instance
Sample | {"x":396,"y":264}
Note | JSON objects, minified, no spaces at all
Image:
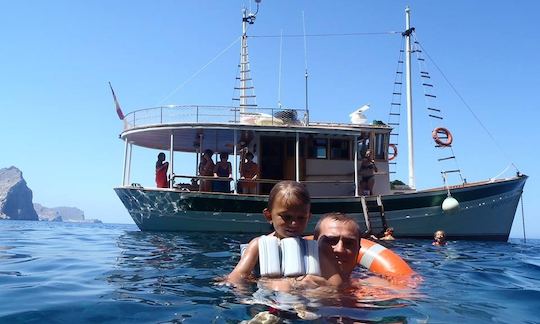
{"x":305,"y":65}
{"x":279,"y":77}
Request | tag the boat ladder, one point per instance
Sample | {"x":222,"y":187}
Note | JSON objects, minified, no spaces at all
{"x":376,"y":220}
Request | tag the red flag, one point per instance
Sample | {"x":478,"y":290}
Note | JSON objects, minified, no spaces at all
{"x":118,"y":109}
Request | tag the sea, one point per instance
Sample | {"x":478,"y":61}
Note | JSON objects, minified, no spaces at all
{"x":103,"y":273}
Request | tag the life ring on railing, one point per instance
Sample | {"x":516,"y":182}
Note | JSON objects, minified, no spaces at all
{"x":380,"y":260}
{"x":441,"y":130}
{"x":394,"y":153}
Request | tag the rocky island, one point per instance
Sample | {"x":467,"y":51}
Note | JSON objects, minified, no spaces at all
{"x":16,"y":202}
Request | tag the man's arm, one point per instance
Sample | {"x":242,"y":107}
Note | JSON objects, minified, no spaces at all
{"x":244,"y":268}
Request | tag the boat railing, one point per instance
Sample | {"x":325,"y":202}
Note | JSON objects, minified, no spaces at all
{"x":193,"y":186}
{"x":194,"y":114}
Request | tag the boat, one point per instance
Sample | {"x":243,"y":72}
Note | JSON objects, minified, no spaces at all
{"x":325,"y":156}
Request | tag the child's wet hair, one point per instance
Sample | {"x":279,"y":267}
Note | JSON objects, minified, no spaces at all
{"x":294,"y":193}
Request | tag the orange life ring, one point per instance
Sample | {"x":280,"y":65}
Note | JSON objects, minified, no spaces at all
{"x":438,"y":140}
{"x":394,"y":147}
{"x":381,"y":260}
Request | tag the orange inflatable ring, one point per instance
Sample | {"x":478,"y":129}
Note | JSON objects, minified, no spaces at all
{"x":445,"y":132}
{"x":394,"y":147}
{"x":381,"y":260}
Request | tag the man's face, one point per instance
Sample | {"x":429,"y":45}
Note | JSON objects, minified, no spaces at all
{"x":345,"y":242}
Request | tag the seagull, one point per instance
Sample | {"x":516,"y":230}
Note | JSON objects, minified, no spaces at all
{"x":358,"y":117}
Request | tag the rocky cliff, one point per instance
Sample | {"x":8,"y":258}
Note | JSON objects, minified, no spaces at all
{"x":59,"y":213}
{"x":15,"y":196}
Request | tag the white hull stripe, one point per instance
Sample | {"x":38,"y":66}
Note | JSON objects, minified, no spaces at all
{"x":371,"y":254}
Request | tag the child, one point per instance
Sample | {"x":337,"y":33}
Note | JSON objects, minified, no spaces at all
{"x":288,"y":211}
{"x":439,"y":238}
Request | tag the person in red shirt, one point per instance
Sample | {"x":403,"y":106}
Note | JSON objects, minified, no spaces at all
{"x":161,"y":171}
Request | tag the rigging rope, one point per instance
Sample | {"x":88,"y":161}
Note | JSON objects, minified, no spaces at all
{"x":429,"y":99}
{"x":501,"y":173}
{"x":469,"y":108}
{"x":329,"y":35}
{"x":198,"y":72}
{"x":523,"y":219}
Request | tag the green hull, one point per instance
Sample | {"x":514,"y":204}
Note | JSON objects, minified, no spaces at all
{"x":486,"y":211}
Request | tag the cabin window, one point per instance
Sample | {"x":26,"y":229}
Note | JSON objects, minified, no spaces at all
{"x":363,"y":145}
{"x":318,"y":148}
{"x":379,"y":146}
{"x":339,"y":149}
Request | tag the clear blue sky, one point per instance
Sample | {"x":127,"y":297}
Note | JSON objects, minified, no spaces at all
{"x":58,"y":123}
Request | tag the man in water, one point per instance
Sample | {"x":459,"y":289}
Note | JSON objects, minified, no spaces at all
{"x":339,"y":234}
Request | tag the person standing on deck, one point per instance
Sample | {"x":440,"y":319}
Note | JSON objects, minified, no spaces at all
{"x":223,"y":169}
{"x":249,"y":171}
{"x":161,"y":171}
{"x":367,"y":173}
{"x":206,"y":169}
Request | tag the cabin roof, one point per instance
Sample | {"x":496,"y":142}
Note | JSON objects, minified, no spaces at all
{"x":213,"y":127}
{"x":219,"y":137}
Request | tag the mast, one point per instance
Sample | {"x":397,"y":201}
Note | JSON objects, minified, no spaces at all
{"x":245,"y":78}
{"x":410,"y":146}
{"x":243,"y":61}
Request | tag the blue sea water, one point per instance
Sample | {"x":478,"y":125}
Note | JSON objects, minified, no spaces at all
{"x":102,"y":273}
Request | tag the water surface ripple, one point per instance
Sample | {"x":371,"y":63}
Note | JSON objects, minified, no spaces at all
{"x":101,"y":273}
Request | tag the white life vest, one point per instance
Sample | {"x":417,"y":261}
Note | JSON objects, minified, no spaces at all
{"x":288,"y":257}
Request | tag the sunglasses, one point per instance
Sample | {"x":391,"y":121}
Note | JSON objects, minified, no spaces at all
{"x":348,"y":243}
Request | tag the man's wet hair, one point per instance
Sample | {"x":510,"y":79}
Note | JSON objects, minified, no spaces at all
{"x":339,"y":217}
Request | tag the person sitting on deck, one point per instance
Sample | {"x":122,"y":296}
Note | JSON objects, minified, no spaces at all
{"x":161,"y":171}
{"x":206,"y":169}
{"x":223,"y":169}
{"x":439,"y":238}
{"x":249,"y":170}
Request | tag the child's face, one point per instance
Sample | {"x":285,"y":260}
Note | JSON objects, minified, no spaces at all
{"x":289,"y":218}
{"x":439,"y":236}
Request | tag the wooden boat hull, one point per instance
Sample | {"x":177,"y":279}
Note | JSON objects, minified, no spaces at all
{"x":486,"y":211}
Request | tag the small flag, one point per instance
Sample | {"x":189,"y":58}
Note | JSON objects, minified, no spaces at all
{"x":118,"y":109}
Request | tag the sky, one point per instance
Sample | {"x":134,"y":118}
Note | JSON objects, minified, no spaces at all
{"x":59,"y":126}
